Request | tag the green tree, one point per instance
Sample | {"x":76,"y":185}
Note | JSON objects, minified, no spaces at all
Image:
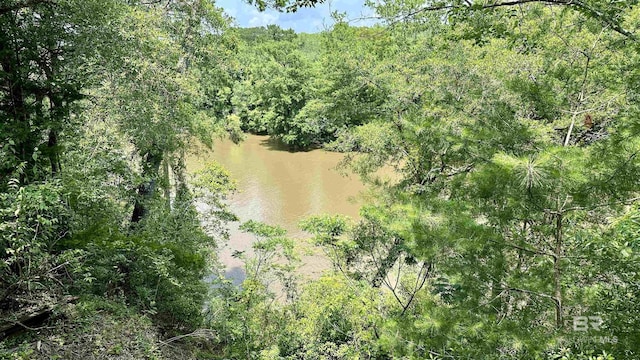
{"x":506,"y":174}
{"x":96,"y":97}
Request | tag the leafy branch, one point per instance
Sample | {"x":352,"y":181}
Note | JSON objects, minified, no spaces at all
{"x":579,"y":5}
{"x":7,"y":8}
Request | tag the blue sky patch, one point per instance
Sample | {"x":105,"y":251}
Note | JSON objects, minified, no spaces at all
{"x":309,"y":20}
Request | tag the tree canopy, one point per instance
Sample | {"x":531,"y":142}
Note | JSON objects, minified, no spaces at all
{"x":510,"y":229}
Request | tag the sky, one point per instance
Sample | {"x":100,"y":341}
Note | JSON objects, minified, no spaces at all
{"x":309,"y":20}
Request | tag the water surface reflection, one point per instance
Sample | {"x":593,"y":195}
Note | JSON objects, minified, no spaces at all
{"x":280,"y":187}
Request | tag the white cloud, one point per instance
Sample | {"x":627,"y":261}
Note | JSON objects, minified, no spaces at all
{"x":231,"y":12}
{"x":263,"y":18}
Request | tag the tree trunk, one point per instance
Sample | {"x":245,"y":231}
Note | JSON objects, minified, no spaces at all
{"x":179,"y":170}
{"x":557,"y":271}
{"x":31,"y":319}
{"x":16,"y":108}
{"x":151,"y":168}
{"x":52,"y":146}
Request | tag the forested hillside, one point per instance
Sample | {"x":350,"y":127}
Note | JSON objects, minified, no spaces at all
{"x":511,"y":229}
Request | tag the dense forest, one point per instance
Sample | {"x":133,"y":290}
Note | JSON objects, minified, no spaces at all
{"x":510,"y":231}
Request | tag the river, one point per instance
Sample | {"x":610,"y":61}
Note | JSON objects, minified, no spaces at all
{"x":279,"y":187}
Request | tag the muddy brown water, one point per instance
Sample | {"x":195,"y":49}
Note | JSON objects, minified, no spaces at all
{"x":279,"y":187}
